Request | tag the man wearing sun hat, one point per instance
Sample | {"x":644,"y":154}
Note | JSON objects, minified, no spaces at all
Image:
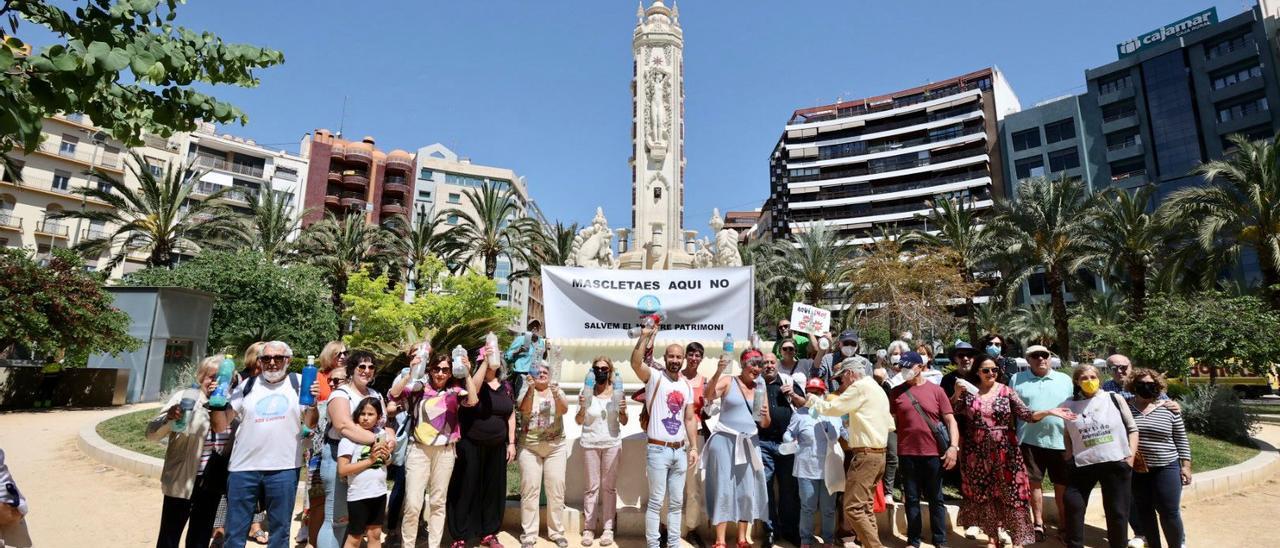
{"x":1041,"y":388}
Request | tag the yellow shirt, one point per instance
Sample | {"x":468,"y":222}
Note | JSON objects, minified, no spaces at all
{"x":868,"y":409}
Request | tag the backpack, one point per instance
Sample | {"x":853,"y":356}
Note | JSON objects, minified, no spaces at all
{"x":293,"y":380}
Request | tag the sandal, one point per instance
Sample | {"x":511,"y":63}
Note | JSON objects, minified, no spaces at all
{"x":491,"y":541}
{"x":1040,"y":536}
{"x":719,"y":545}
{"x":260,"y":537}
{"x":744,"y":544}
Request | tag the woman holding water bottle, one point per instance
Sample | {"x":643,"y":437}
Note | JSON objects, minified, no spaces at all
{"x":994,"y":481}
{"x":194,"y":477}
{"x":542,"y":455}
{"x":601,"y":412}
{"x":736,"y":492}
{"x":478,"y":489}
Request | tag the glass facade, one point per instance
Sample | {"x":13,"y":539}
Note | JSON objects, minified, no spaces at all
{"x":1171,"y":111}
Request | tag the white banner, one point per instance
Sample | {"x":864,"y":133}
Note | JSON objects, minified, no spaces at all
{"x":702,"y":304}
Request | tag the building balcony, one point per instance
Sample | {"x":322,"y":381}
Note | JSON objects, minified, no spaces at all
{"x":352,"y":200}
{"x":358,"y":155}
{"x":868,"y":193}
{"x":886,"y":150}
{"x":891,"y":108}
{"x":84,"y":153}
{"x":1116,"y":95}
{"x":1123,"y":120}
{"x":398,"y":163}
{"x":1127,"y":149}
{"x":332,"y":199}
{"x":1245,"y":52}
{"x":876,"y":215}
{"x":222,"y":164}
{"x":9,"y":222}
{"x":396,"y":188}
{"x":337,"y":152}
{"x":355,"y":181}
{"x":335,"y":176}
{"x":1130,"y":179}
{"x":93,"y":234}
{"x":1235,"y":90}
{"x":393,"y":208}
{"x":52,"y":228}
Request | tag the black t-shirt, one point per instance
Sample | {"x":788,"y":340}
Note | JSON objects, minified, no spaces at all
{"x":949,"y":383}
{"x":487,"y":420}
{"x":779,"y":410}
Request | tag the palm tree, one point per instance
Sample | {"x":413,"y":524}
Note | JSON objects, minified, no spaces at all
{"x":992,"y":317}
{"x":815,"y":262}
{"x":1035,"y":323}
{"x":1045,"y":228}
{"x":420,"y":241}
{"x":160,"y":217}
{"x":1239,"y":209}
{"x":271,"y":222}
{"x":493,"y":230}
{"x":559,"y":238}
{"x":1124,"y":224}
{"x":342,"y":246}
{"x":959,"y":229}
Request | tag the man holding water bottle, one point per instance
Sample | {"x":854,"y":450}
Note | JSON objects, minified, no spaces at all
{"x":525,"y":350}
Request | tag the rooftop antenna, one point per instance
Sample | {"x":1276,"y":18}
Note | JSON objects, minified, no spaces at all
{"x":343,"y":118}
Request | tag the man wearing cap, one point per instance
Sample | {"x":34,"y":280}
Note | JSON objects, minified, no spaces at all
{"x":962,"y":355}
{"x":525,"y":350}
{"x":779,"y":478}
{"x":918,"y":406}
{"x":824,"y":365}
{"x":869,"y":425}
{"x":1041,"y":388}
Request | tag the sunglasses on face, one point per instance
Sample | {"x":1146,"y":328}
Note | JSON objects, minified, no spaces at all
{"x":991,"y":370}
{"x":441,"y":369}
{"x":271,"y":359}
{"x":342,"y":354}
{"x":1040,"y":356}
{"x":1120,"y":367}
{"x":784,"y":327}
{"x":788,"y":349}
{"x":605,"y":370}
{"x":364,"y":366}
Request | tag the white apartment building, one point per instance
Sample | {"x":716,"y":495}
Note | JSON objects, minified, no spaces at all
{"x":441,"y":178}
{"x":242,"y":165}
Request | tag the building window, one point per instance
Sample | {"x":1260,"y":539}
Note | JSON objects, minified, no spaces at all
{"x":156,"y":167}
{"x":424,"y":195}
{"x":287,"y":173}
{"x":1060,"y":131}
{"x":1028,"y":167}
{"x":1062,"y":160}
{"x":102,"y":185}
{"x":1027,"y":138}
{"x":1112,"y":85}
{"x":1235,"y":76}
{"x":453,"y":218}
{"x":61,"y":180}
{"x":455,"y":198}
{"x":426,"y":174}
{"x":1123,"y":140}
{"x":842,"y":150}
{"x":68,"y":146}
{"x":1226,"y":46}
{"x":1117,"y":111}
{"x":1240,"y":110}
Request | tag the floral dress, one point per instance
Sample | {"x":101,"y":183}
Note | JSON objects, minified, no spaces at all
{"x":993,"y":477}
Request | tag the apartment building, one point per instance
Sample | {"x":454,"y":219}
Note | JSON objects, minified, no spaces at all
{"x":243,"y":166}
{"x":354,"y":177}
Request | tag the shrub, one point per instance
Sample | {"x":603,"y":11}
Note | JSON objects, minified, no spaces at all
{"x":1178,"y":391}
{"x":1216,"y":412}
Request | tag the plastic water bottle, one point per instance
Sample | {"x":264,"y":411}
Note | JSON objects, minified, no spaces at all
{"x":458,"y":353}
{"x":755,"y":341}
{"x":423,"y":353}
{"x":187,"y":404}
{"x":728,"y":343}
{"x":589,"y":386}
{"x":759,"y":402}
{"x":491,"y":350}
{"x":308,"y":378}
{"x":221,"y":393}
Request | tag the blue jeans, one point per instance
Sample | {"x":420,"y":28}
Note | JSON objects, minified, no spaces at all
{"x":333,"y":532}
{"x":923,"y":475}
{"x":815,"y":499}
{"x":666,"y":468}
{"x":785,"y":496}
{"x":1158,"y":491}
{"x":279,"y":488}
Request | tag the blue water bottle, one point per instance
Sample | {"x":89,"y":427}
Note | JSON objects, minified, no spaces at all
{"x":308,"y":378}
{"x":728,"y":343}
{"x":222,"y":392}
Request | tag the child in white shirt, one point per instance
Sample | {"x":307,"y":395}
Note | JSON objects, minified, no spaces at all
{"x":362,"y":467}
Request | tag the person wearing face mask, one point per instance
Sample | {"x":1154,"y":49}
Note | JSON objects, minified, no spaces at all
{"x":267,"y":454}
{"x":602,"y":420}
{"x":1041,"y":443}
{"x":360,"y":367}
{"x":194,"y":477}
{"x":919,"y":407}
{"x":993,"y":345}
{"x":1163,"y":465}
{"x":671,"y":431}
{"x":433,"y":406}
{"x":825,"y":363}
{"x":1101,"y":442}
{"x":895,"y":352}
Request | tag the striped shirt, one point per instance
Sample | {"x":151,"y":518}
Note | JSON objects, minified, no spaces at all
{"x":1162,"y":437}
{"x":213,"y":441}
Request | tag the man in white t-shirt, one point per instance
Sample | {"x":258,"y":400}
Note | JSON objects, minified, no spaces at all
{"x":672,"y":432}
{"x":267,"y":452}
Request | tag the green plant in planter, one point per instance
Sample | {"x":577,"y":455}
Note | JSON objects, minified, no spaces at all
{"x":1216,"y":412}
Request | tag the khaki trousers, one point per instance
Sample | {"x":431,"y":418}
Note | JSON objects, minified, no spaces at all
{"x":865,"y":471}
{"x":542,"y":463}
{"x":427,"y":469}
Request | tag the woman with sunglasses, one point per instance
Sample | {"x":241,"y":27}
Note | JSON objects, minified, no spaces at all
{"x":332,"y":358}
{"x":478,"y":489}
{"x":601,"y":418}
{"x":735,"y":487}
{"x":997,"y":494}
{"x":1100,"y":443}
{"x":360,"y":369}
{"x":433,"y":433}
{"x":543,"y":455}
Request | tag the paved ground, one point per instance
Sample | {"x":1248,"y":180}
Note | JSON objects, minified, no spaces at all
{"x":77,"y":502}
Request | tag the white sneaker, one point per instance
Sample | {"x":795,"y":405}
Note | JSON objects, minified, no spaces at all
{"x":1137,"y":542}
{"x":588,"y":538}
{"x":972,"y":532}
{"x":1005,"y":539}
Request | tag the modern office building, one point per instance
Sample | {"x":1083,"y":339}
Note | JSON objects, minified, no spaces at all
{"x":441,"y":179}
{"x":871,"y":164}
{"x":72,"y":146}
{"x":1052,"y":139}
{"x":1175,"y":94}
{"x":354,"y":177}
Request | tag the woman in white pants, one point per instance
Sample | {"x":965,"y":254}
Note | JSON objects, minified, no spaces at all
{"x":542,"y":456}
{"x":601,"y":412}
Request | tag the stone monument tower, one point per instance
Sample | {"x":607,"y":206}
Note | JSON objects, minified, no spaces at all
{"x":657,"y":236}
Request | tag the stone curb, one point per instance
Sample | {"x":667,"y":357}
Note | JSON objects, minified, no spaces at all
{"x":91,"y":444}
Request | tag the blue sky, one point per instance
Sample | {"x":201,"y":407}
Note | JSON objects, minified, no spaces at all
{"x":542,"y":87}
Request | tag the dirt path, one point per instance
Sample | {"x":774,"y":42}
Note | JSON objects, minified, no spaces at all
{"x":75,"y":501}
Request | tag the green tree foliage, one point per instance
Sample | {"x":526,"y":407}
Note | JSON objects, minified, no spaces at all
{"x":1223,"y":333}
{"x":124,"y":63}
{"x":256,"y":299}
{"x":268,"y":227}
{"x":959,"y":229}
{"x":423,"y":244}
{"x":491,"y":229}
{"x":342,"y":246}
{"x":58,"y":310}
{"x":812,"y":264}
{"x":1125,"y":226}
{"x":158,"y":218}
